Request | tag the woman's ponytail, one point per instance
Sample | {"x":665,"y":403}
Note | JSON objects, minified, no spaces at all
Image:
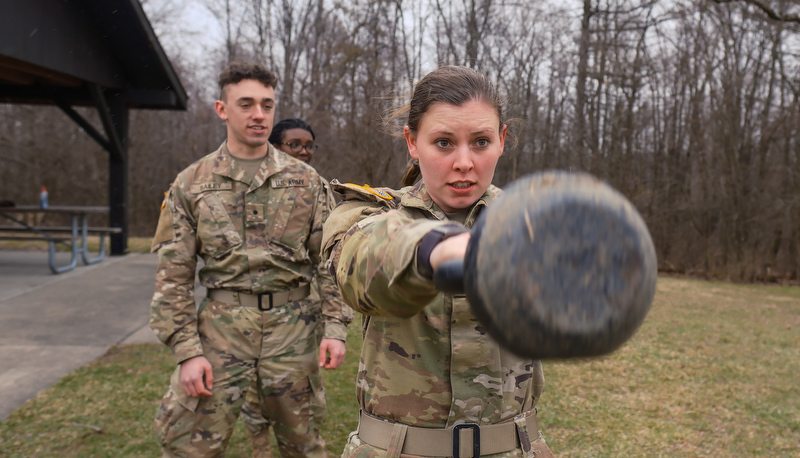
{"x":412,"y":174}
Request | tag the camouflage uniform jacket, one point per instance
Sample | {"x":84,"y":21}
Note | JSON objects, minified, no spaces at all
{"x":253,"y":237}
{"x":425,"y":360}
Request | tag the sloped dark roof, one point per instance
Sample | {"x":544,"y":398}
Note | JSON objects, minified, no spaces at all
{"x":59,"y":49}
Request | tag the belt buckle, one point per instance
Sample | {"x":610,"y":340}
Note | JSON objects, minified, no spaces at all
{"x":260,"y":305}
{"x":476,"y":439}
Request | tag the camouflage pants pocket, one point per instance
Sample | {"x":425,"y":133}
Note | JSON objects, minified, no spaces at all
{"x":318,"y":408}
{"x":176,"y":416}
{"x":203,"y":426}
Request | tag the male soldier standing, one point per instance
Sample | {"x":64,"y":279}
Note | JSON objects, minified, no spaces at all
{"x":255,"y":217}
{"x":296,"y":138}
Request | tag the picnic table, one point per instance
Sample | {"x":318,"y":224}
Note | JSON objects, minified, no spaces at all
{"x":73,"y":237}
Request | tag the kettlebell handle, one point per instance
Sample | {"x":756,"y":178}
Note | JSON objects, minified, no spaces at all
{"x":449,"y":277}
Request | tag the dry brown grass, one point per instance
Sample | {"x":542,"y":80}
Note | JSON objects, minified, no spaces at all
{"x":712,"y":372}
{"x":135,"y":245}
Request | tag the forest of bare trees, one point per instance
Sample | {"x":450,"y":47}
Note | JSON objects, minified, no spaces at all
{"x":690,"y":108}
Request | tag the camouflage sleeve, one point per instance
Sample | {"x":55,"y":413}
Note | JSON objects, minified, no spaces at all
{"x":374,"y":262}
{"x":173,"y":315}
{"x":336,"y":314}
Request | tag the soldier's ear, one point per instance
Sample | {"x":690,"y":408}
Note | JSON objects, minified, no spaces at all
{"x":411,"y":141}
{"x":503,"y":132}
{"x":221,"y":109}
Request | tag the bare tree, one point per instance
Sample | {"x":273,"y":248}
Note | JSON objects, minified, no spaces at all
{"x":691,"y":109}
{"x":768,"y":10}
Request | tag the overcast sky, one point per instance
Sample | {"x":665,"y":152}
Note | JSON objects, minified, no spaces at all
{"x":186,"y":30}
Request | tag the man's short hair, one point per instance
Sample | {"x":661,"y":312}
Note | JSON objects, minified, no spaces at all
{"x":238,"y":71}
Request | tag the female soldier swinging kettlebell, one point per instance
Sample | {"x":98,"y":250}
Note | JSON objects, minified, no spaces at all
{"x":431,"y":382}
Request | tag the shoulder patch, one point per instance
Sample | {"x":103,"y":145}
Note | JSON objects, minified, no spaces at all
{"x":373,"y":191}
{"x":164,"y":231}
{"x":288,"y":182}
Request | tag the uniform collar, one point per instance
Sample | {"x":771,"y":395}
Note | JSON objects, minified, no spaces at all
{"x":225,"y":165}
{"x":418,"y":197}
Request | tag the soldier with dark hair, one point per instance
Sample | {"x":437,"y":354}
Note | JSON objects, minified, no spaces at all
{"x":255,"y":218}
{"x":431,"y":381}
{"x":294,"y":137}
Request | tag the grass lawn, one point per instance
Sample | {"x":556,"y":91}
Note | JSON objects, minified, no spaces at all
{"x":713,"y":372}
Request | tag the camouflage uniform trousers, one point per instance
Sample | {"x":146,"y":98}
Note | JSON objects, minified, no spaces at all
{"x":258,"y":426}
{"x":356,"y":448}
{"x":279,"y":349}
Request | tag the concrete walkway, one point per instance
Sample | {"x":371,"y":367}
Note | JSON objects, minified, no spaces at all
{"x":51,"y":325}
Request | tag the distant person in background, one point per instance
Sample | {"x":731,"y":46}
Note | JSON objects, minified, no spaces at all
{"x":294,"y":137}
